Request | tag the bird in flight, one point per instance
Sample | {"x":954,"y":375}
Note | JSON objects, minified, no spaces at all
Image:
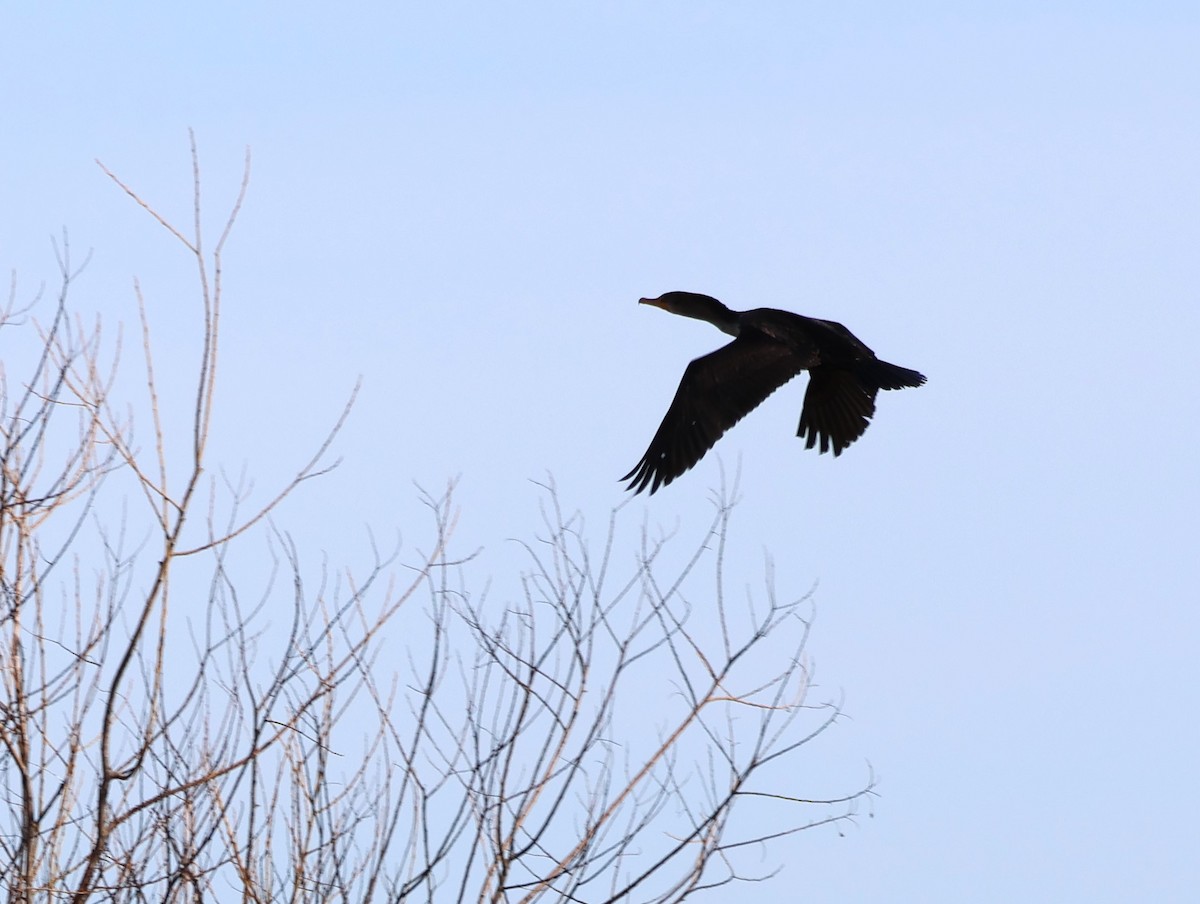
{"x":770,"y":347}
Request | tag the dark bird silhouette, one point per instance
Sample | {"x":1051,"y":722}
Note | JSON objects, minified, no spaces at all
{"x":770,"y":348}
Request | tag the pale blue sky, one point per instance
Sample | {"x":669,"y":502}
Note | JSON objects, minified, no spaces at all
{"x":463,"y":205}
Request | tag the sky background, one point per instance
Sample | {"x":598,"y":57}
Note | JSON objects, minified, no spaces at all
{"x":461,"y":203}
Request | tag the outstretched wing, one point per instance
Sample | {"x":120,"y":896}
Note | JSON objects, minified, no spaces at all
{"x":715,"y":393}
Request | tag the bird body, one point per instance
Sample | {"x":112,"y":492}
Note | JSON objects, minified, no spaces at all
{"x":770,"y":347}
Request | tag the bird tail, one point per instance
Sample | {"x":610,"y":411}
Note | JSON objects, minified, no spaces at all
{"x":881,"y":375}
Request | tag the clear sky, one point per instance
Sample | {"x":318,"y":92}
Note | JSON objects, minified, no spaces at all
{"x":462,"y":202}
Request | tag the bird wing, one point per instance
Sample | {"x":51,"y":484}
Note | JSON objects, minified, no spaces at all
{"x":837,"y":408}
{"x":840,"y":400}
{"x":716,"y":392}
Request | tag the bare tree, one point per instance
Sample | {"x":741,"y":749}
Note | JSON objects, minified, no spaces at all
{"x":593,"y":735}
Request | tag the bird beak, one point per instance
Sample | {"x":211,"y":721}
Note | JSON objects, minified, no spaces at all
{"x":654,"y":302}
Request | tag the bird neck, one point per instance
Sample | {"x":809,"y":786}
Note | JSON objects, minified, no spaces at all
{"x":729,"y":324}
{"x":717,"y":314}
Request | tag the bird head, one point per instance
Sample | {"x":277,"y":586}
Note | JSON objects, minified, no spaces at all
{"x":701,"y":307}
{"x":682,"y":302}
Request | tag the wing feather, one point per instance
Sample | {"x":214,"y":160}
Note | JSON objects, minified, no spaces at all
{"x":837,"y":409}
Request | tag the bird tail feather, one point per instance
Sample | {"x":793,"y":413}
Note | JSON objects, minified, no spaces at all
{"x":882,"y":375}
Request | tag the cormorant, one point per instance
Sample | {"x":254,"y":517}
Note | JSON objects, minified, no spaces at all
{"x":770,"y":348}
